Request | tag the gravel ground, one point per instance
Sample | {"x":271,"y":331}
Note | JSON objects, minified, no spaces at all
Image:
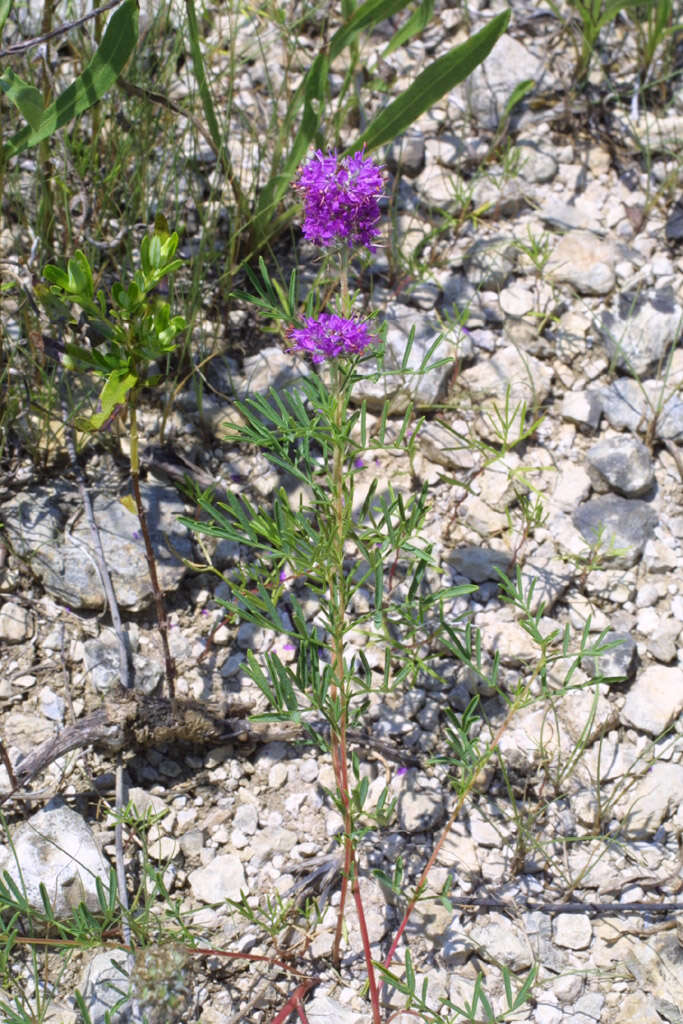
{"x":572,"y":283}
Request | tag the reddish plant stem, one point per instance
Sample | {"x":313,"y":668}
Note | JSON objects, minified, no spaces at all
{"x":369,"y":966}
{"x":419,"y":888}
{"x":295,"y":1003}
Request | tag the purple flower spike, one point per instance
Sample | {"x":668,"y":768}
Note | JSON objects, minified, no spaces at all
{"x":341,"y":199}
{"x":330,"y":336}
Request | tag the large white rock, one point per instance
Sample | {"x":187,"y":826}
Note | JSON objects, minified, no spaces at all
{"x":654,"y":700}
{"x":56,"y":848}
{"x":221,"y":879}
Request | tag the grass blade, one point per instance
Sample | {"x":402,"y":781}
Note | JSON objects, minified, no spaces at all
{"x":434,"y":82}
{"x":91,"y":85}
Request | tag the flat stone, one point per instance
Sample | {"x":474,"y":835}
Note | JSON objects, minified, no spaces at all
{"x":587,"y":715}
{"x":489,"y":262}
{"x":487,"y":89}
{"x":527,"y":378}
{"x":590,"y":1004}
{"x":617,"y":663}
{"x":221,"y":879}
{"x":572,"y":931}
{"x":516,"y":301}
{"x":622,"y":464}
{"x":479,"y":563}
{"x":558,"y":214}
{"x":536,"y":165}
{"x":550,"y":576}
{"x":663,"y":643}
{"x":624,"y":405}
{"x":659,"y":557}
{"x":638,"y":332}
{"x":655,"y":797}
{"x":55,"y":847}
{"x":477,"y":515}
{"x":582,"y":408}
{"x":423,"y":389}
{"x":638,"y":1008}
{"x":104,"y":980}
{"x":418,"y":810}
{"x":326,"y":1010}
{"x":568,"y":987}
{"x":620,"y":526}
{"x":654,"y":700}
{"x":15,"y":623}
{"x":407,"y":154}
{"x":39,"y":531}
{"x":513,"y":644}
{"x":266,"y":369}
{"x":246,"y":818}
{"x":442,"y":446}
{"x":500,"y":941}
{"x":585,"y":262}
{"x":460,"y":852}
{"x":572,"y":486}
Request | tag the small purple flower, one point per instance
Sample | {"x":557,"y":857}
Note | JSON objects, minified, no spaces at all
{"x":330,"y":336}
{"x":340,"y":199}
{"x":358,"y":463}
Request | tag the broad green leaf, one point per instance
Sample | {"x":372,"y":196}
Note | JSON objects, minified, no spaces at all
{"x":100,"y":75}
{"x":25,"y":97}
{"x":428,"y":88}
{"x":417,"y":22}
{"x":115,"y":392}
{"x":5,"y":8}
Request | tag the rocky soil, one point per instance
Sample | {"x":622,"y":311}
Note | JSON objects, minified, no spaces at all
{"x":565,"y":293}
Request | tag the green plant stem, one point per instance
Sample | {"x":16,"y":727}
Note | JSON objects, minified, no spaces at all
{"x":338,"y":697}
{"x":149,"y":552}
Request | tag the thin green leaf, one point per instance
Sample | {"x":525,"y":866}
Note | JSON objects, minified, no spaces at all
{"x":428,"y":88}
{"x":314,"y":92}
{"x":97,"y":79}
{"x":200,"y":75}
{"x":523,"y":993}
{"x":517,"y":95}
{"x":415,"y":24}
{"x":368,"y":14}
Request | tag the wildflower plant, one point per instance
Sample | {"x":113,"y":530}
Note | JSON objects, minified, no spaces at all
{"x":335,"y":546}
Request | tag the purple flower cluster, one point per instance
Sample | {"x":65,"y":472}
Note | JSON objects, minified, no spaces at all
{"x":330,"y":336}
{"x":340,"y":199}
